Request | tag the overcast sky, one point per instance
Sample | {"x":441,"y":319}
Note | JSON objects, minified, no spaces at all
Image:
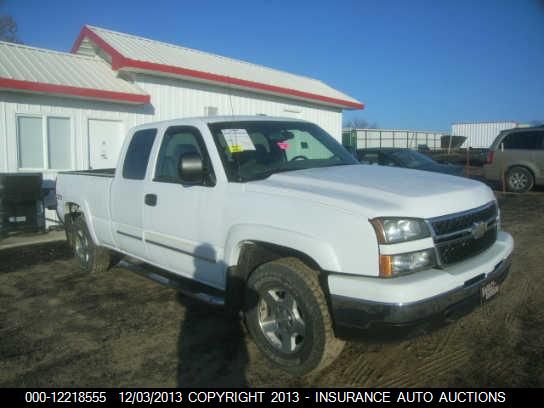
{"x":416,"y":64}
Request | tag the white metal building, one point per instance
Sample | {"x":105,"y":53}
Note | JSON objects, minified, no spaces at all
{"x":63,"y":111}
{"x":480,"y":134}
{"x":71,"y":110}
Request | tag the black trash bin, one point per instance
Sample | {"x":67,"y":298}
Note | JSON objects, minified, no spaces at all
{"x":21,"y":203}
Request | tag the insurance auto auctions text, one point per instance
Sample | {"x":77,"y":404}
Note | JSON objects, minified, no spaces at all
{"x":339,"y":396}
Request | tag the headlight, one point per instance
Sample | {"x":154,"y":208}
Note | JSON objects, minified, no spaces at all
{"x":394,"y":230}
{"x":394,"y":265}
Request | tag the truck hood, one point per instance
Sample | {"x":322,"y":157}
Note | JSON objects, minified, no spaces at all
{"x":378,"y":190}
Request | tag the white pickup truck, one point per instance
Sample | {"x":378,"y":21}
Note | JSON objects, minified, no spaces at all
{"x":274,"y":218}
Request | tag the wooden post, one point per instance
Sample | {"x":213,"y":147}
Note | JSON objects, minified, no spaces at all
{"x":503,"y":176}
{"x":467,"y":164}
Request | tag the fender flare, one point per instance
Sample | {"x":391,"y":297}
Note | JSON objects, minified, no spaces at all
{"x":85,"y":210}
{"x":321,"y":252}
{"x":528,"y":165}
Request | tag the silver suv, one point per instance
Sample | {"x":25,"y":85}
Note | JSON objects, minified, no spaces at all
{"x":519,"y":154}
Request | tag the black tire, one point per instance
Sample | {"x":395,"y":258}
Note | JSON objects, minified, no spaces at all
{"x":287,"y":316}
{"x":519,"y":179}
{"x":91,"y":258}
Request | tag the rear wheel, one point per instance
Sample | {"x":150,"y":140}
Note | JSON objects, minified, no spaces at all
{"x":288,"y":318}
{"x":519,"y":179}
{"x":91,"y":258}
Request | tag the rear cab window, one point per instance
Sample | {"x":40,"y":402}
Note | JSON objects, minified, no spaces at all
{"x":137,"y":156}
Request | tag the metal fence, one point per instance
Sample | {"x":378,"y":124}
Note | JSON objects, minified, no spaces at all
{"x":372,"y":138}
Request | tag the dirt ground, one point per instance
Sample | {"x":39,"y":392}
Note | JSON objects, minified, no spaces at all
{"x":61,"y":327}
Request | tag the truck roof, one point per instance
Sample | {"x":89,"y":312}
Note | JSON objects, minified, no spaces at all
{"x":215,"y":119}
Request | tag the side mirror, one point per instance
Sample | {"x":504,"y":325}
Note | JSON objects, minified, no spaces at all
{"x":191,"y":168}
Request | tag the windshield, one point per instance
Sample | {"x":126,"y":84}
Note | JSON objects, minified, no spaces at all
{"x":412,"y":159}
{"x":256,"y":150}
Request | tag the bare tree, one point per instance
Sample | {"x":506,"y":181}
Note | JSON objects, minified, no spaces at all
{"x":8,"y":28}
{"x":359,"y":123}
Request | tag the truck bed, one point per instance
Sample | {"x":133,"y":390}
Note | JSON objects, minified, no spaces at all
{"x":94,"y":172}
{"x":90,"y":189}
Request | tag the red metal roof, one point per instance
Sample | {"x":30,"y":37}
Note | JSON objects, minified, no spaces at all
{"x":36,"y":70}
{"x":139,"y":54}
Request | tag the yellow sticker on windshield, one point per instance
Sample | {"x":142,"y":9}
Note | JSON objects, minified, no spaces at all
{"x":236,"y":148}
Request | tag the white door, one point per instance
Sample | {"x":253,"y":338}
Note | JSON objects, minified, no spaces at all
{"x":105,"y":142}
{"x":181,"y":221}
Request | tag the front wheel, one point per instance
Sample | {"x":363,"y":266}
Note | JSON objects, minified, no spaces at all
{"x":288,"y":318}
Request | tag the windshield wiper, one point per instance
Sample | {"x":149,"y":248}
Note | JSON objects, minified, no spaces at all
{"x":268,"y":173}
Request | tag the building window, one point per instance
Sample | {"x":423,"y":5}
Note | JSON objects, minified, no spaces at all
{"x":210,"y":111}
{"x":30,"y":142}
{"x":48,"y":147}
{"x":58,"y":143}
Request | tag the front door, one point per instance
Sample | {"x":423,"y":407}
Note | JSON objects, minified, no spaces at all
{"x":179,"y":229}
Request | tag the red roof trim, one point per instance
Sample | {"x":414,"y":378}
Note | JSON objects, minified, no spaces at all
{"x":16,"y":84}
{"x":117,"y":58}
{"x":120,"y":61}
{"x":151,"y":66}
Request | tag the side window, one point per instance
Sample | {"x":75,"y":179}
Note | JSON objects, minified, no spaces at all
{"x":540,"y":140}
{"x":176,"y":142}
{"x":138,"y":152}
{"x":523,"y":140}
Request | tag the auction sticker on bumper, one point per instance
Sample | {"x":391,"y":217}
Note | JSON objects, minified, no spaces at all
{"x":489,"y":290}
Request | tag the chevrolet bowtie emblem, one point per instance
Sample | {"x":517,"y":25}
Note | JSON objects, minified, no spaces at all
{"x":478,"y":229}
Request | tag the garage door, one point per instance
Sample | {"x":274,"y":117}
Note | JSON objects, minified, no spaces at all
{"x":105,"y":142}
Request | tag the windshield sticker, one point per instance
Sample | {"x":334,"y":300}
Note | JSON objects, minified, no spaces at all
{"x":283,"y":145}
{"x":238,"y":140}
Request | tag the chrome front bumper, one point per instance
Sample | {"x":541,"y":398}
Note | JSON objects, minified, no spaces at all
{"x":352,"y":315}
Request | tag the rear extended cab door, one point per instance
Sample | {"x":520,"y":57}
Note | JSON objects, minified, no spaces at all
{"x":127,"y":192}
{"x":182,"y":221}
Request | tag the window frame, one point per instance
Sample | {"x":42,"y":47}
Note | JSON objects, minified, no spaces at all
{"x":45,"y":142}
{"x":206,"y":160}
{"x":517,"y":133}
{"x":327,"y":140}
{"x":127,"y":151}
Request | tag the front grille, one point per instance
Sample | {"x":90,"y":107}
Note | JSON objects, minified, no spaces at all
{"x":449,"y":224}
{"x":451,"y":252}
{"x":453,"y":234}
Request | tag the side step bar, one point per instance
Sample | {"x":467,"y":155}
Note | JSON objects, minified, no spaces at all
{"x":190,"y":288}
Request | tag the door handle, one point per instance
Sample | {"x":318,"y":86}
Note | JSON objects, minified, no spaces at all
{"x":151,"y":200}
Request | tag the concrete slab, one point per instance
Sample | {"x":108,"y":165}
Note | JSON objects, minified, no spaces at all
{"x":19,"y":240}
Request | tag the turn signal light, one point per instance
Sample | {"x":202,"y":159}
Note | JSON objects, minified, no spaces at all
{"x":386,"y":267}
